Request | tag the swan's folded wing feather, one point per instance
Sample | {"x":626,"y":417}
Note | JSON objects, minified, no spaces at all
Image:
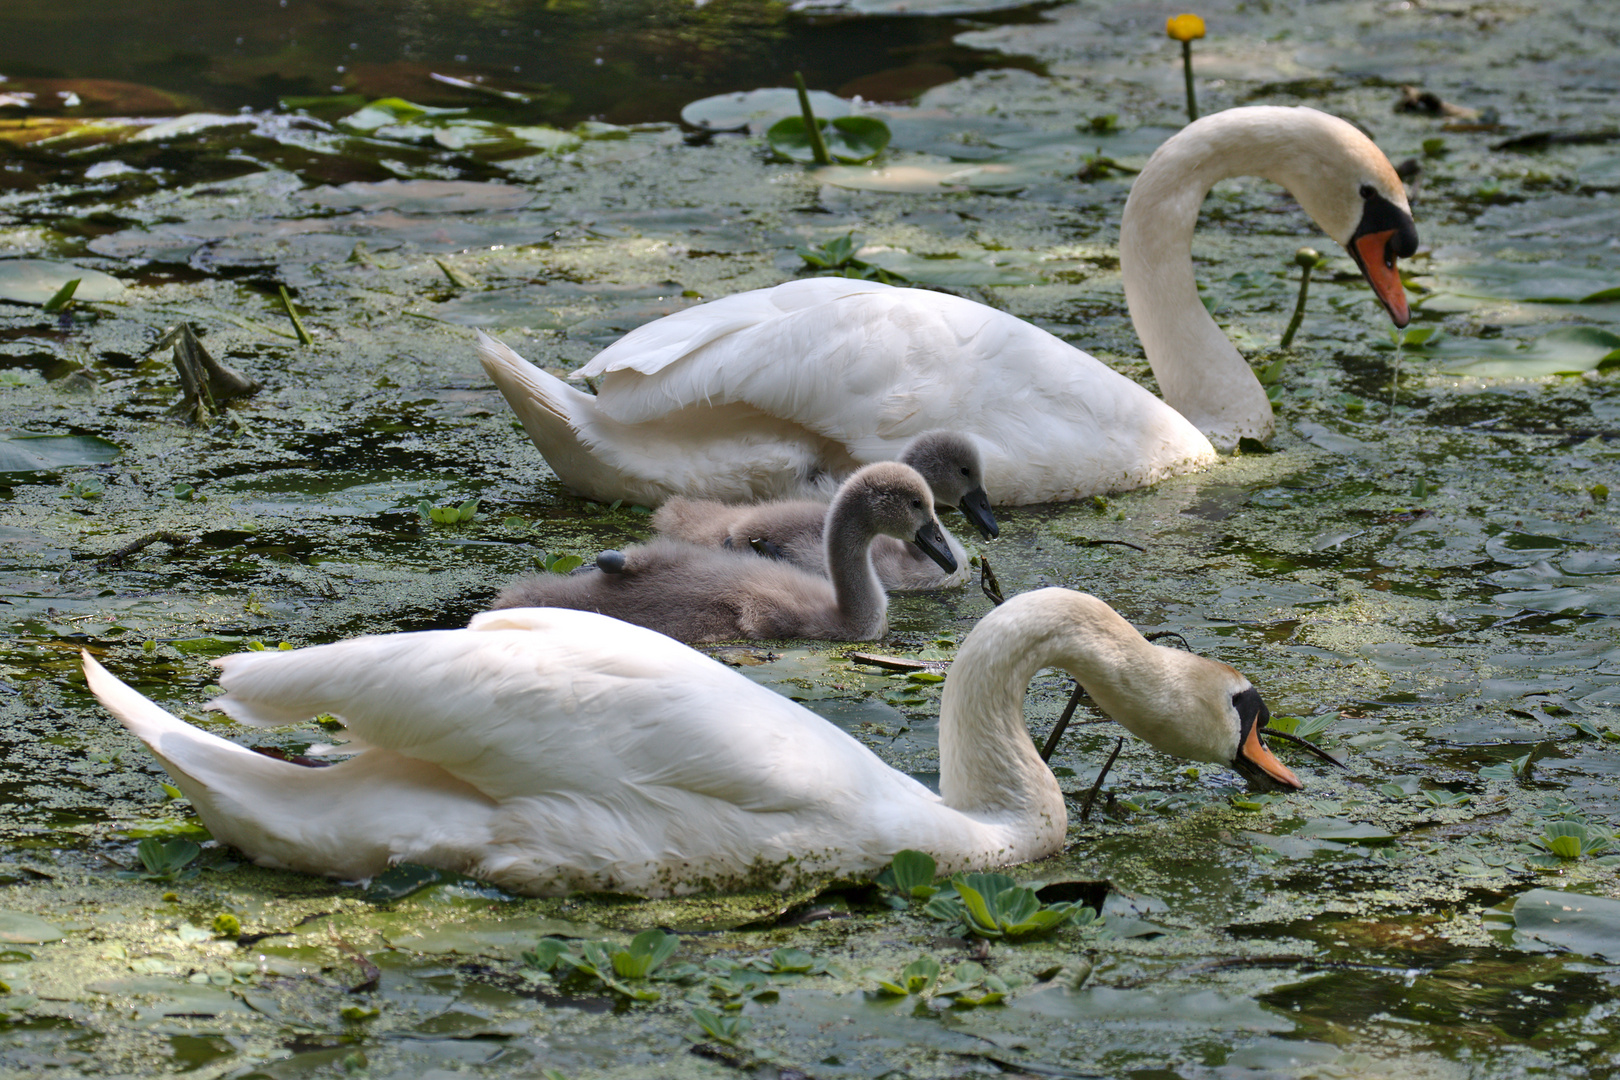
{"x":537,"y":701}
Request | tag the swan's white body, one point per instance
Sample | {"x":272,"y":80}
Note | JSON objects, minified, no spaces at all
{"x":775,"y":393}
{"x":550,"y":750}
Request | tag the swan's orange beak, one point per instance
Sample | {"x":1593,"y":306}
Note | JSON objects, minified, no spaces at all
{"x":1255,"y":760}
{"x":1375,"y":254}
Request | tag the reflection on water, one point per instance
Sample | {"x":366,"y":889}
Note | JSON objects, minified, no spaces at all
{"x":621,"y":61}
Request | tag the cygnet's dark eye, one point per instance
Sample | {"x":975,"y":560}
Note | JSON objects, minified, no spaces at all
{"x":966,"y":471}
{"x":917,"y":503}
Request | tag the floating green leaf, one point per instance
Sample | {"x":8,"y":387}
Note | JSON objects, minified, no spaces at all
{"x":910,"y":876}
{"x":720,"y":1027}
{"x":614,"y":966}
{"x":40,"y":281}
{"x":1567,"y":351}
{"x":21,"y":452}
{"x":849,"y":139}
{"x":995,"y":906}
{"x":914,"y":979}
{"x":164,"y":860}
{"x":1589,"y":925}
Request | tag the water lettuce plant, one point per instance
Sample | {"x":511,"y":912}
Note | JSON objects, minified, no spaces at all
{"x":448,"y":515}
{"x":614,"y":966}
{"x":909,"y":877}
{"x":164,"y":860}
{"x":996,"y":906}
{"x":722,"y":1027}
{"x":1566,"y":840}
{"x":811,"y":139}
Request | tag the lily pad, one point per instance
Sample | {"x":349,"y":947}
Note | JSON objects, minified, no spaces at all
{"x":1567,"y":351}
{"x":1589,"y":925}
{"x":950,"y":271}
{"x":420,"y":196}
{"x":757,"y":110}
{"x":1345,"y":832}
{"x":34,"y":281}
{"x":1548,"y":284}
{"x":20,"y":928}
{"x":24,"y":453}
{"x":491,"y":937}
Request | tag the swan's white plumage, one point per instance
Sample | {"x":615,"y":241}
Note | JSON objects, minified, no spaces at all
{"x":768,"y":393}
{"x":549,"y":750}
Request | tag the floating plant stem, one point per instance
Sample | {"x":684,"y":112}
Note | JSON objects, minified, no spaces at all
{"x":818,"y":146}
{"x":1308,"y":260}
{"x":1184,"y":28}
{"x":298,"y":324}
{"x":63,"y":297}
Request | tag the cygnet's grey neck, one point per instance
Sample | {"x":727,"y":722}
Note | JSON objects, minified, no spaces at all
{"x":862,"y":602}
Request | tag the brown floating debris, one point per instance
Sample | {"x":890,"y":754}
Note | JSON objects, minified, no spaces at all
{"x":116,"y":558}
{"x":206,"y":383}
{"x":896,"y":663}
{"x":1414,"y":100}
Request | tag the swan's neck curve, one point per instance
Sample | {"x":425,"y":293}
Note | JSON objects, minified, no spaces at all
{"x":863,"y":606}
{"x":1200,"y":372}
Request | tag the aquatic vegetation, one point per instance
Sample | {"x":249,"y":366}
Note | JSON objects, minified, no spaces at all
{"x":616,"y":967}
{"x":722,"y":1027}
{"x":1567,"y":840}
{"x":910,"y":877}
{"x":996,"y":906}
{"x":1186,"y":29}
{"x":165,"y":860}
{"x":448,"y":514}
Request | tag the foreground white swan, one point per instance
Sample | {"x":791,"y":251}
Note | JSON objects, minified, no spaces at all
{"x":549,"y":750}
{"x":771,"y":393}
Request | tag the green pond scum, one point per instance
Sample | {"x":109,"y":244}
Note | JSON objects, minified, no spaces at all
{"x":1421,"y":570}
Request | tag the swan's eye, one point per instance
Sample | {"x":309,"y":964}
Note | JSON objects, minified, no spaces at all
{"x":917,"y":503}
{"x":1368,"y":191}
{"x":966,"y":471}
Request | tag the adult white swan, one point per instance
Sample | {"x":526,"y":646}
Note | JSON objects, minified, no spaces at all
{"x":776,"y":392}
{"x":550,"y":750}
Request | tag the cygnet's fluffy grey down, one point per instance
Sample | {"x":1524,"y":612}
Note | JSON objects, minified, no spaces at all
{"x":697,"y":593}
{"x":792,"y":529}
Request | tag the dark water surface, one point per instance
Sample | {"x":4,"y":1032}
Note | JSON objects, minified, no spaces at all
{"x":622,"y":61}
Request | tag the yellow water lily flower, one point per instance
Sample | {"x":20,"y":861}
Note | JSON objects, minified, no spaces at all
{"x":1184,"y":27}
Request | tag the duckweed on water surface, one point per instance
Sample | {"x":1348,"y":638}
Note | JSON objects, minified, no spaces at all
{"x":1426,"y":575}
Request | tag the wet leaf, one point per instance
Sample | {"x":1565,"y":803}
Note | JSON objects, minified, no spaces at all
{"x":25,"y":453}
{"x":1568,"y":351}
{"x":850,"y":139}
{"x":20,"y":928}
{"x":1588,"y":925}
{"x":951,"y":270}
{"x":757,"y":110}
{"x":419,"y":196}
{"x":1345,"y":832}
{"x":37,"y":281}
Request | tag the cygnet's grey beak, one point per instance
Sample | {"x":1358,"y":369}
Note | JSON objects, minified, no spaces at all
{"x":975,"y":506}
{"x":931,"y":538}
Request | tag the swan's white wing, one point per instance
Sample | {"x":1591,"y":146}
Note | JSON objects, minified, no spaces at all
{"x":869,"y":366}
{"x":549,"y":701}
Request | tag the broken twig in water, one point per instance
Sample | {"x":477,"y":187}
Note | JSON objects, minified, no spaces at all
{"x":988,"y":583}
{"x":292,"y":313}
{"x":1063,"y":721}
{"x":205,"y":383}
{"x":116,"y":558}
{"x":1091,"y":796}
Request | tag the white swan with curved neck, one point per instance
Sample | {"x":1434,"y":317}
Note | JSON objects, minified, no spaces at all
{"x":778,"y":392}
{"x":549,"y":750}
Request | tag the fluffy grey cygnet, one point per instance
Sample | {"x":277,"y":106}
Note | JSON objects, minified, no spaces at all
{"x":792,"y":529}
{"x":697,"y":593}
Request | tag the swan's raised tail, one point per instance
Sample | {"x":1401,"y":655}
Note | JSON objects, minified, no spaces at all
{"x":351,"y":820}
{"x":555,"y":415}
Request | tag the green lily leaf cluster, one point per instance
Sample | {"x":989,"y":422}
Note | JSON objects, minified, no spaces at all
{"x":968,"y":986}
{"x":1308,"y":727}
{"x":448,"y":515}
{"x":1566,"y":840}
{"x":836,"y":258}
{"x":616,"y":967}
{"x":164,"y":860}
{"x":848,"y":139}
{"x":722,"y":1027}
{"x":734,"y":983}
{"x":1517,"y":769}
{"x":996,"y":906}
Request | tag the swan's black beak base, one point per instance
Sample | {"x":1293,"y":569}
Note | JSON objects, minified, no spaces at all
{"x":1386,"y":233}
{"x":1254,"y":762}
{"x":975,"y":506}
{"x":931,"y":538}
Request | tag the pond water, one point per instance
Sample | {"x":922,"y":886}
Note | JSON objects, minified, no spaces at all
{"x":1422,"y":566}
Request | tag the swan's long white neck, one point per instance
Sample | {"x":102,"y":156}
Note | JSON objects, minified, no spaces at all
{"x":1200,"y":372}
